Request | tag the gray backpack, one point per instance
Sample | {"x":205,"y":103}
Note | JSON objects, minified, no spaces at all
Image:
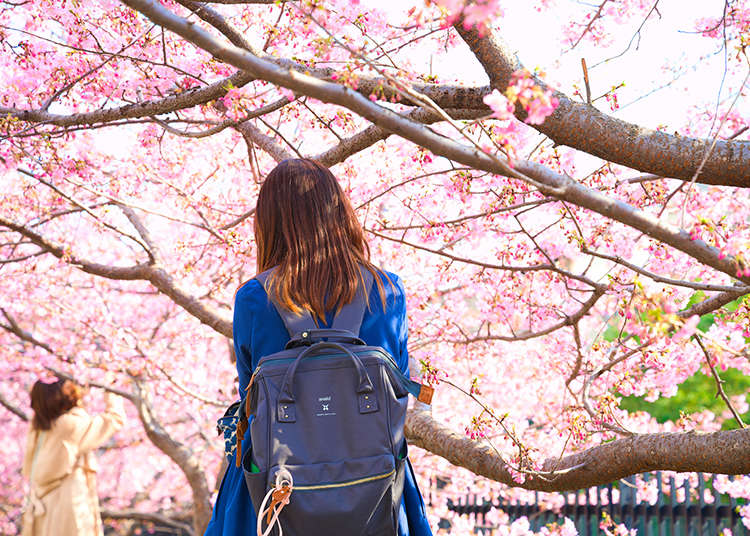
{"x":330,"y":411}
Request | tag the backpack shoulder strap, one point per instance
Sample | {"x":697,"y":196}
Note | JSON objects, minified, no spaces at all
{"x":294,"y":322}
{"x":350,"y":316}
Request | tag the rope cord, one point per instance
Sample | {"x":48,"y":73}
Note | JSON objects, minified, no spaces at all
{"x":279,"y":495}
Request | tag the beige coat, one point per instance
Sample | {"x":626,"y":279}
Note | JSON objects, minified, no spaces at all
{"x":63,"y":500}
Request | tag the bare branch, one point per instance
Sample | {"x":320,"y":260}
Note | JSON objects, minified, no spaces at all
{"x":239,"y":219}
{"x":579,"y":356}
{"x":15,"y":410}
{"x":719,"y":388}
{"x":586,"y":81}
{"x":636,"y":35}
{"x":588,"y":27}
{"x":143,"y":231}
{"x":271,"y":107}
{"x":150,"y":517}
{"x":570,"y":320}
{"x":253,"y":135}
{"x":661,"y":279}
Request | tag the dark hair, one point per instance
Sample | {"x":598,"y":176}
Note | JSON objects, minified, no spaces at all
{"x":50,"y":400}
{"x":306,"y":226}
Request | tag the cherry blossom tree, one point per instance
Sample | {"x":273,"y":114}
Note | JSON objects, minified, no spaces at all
{"x":557,"y":256}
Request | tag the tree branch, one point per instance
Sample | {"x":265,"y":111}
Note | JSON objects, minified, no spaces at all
{"x":271,"y":107}
{"x":151,"y":246}
{"x":374,"y":133}
{"x":150,"y":517}
{"x":27,"y":336}
{"x":585,"y":128}
{"x":15,"y":410}
{"x":180,"y":455}
{"x":659,"y":278}
{"x":726,"y":452}
{"x":570,"y":320}
{"x":253,"y":135}
{"x":179,"y":101}
{"x":548,"y":182}
{"x":590,"y":24}
{"x":153,"y":273}
{"x":716,"y":301}
{"x":87,"y":210}
{"x":719,"y":387}
{"x":215,"y":19}
{"x":445,"y":95}
{"x":24,"y":335}
{"x":573,"y":124}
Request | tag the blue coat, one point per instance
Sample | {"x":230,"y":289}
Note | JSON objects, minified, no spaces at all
{"x":259,"y":331}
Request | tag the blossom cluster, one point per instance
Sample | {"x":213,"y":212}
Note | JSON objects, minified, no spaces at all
{"x":537,"y":101}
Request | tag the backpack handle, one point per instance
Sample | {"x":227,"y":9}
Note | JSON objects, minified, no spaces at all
{"x":311,"y":336}
{"x":367,"y":402}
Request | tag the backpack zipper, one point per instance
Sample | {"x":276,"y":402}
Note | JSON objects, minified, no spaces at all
{"x":346,"y":483}
{"x":388,"y":359}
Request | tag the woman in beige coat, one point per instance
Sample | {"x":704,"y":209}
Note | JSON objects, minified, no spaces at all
{"x":60,"y":462}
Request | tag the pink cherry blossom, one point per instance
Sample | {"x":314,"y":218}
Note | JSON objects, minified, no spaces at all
{"x":126,"y":236}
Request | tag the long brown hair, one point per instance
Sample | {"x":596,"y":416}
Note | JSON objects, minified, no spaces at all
{"x":50,"y":400}
{"x":306,"y":227}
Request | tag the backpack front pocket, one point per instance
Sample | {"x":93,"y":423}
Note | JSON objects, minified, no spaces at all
{"x":337,"y":497}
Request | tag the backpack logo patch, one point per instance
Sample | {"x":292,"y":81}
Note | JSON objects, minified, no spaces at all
{"x":325,"y":404}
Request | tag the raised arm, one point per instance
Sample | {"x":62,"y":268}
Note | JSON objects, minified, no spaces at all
{"x":94,"y":431}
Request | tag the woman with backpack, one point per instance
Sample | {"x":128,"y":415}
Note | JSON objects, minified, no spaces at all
{"x":313,"y":260}
{"x":59,"y":460}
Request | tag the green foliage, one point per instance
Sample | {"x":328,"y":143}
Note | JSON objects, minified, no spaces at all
{"x":697,"y":393}
{"x":612,"y":332}
{"x":708,"y":320}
